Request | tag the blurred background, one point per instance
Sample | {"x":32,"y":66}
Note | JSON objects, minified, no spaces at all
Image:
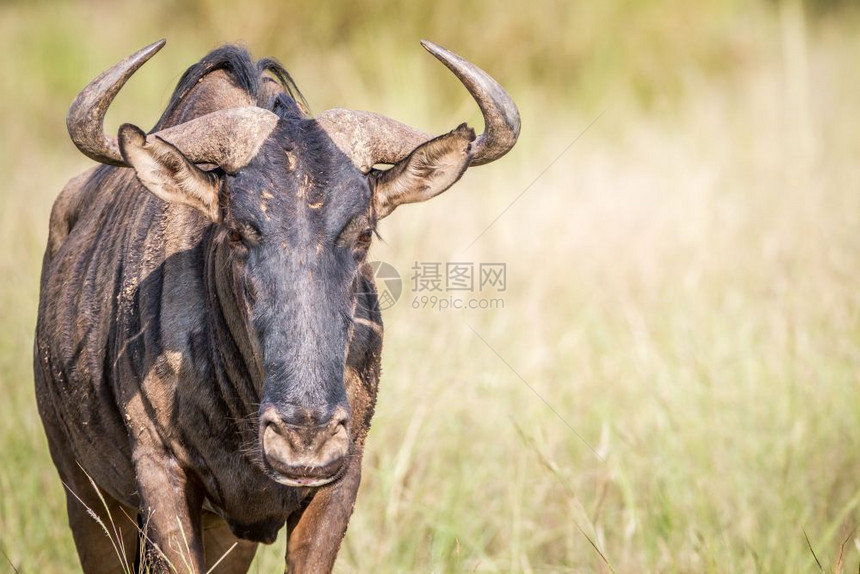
{"x":672,"y":382}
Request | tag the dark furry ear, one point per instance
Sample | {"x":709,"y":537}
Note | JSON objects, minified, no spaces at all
{"x":429,"y":170}
{"x":167,"y":173}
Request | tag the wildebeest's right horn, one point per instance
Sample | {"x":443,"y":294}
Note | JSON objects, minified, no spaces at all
{"x":368,"y":138}
{"x":228,"y":138}
{"x":85,"y":120}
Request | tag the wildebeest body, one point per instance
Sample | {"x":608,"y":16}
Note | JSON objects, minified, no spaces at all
{"x":207,"y":355}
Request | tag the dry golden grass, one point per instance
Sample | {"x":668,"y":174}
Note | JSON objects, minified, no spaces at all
{"x":682,"y":283}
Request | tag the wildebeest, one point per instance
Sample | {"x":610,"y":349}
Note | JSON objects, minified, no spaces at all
{"x":208,"y":343}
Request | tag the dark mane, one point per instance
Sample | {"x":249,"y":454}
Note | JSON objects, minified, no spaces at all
{"x":247,"y":75}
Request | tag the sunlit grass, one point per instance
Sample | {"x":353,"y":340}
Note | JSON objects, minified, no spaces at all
{"x":682,"y":283}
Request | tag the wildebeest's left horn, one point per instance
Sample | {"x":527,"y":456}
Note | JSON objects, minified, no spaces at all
{"x":369,"y":138}
{"x":501,"y":116}
{"x":228,"y":138}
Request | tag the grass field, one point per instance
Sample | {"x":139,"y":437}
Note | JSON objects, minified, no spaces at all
{"x":673,"y":384}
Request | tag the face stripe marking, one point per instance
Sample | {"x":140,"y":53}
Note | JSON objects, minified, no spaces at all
{"x":376,"y":327}
{"x":291,"y":160}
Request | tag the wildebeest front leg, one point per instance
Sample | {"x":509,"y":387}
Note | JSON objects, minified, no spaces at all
{"x":171,"y":508}
{"x":315,"y":533}
{"x":98,"y":552}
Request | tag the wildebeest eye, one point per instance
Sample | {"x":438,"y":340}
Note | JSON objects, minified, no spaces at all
{"x":364,"y":239}
{"x":243,"y":235}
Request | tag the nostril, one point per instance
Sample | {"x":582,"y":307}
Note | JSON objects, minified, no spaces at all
{"x":275,"y":445}
{"x":339,"y":420}
{"x":271,"y":429}
{"x":269,"y":417}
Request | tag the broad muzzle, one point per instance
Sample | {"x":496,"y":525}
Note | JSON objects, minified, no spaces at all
{"x":302,"y":446}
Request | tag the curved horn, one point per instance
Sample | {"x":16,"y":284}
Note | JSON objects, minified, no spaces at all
{"x":368,"y":138}
{"x":85,"y":120}
{"x":228,"y":138}
{"x":501,"y":116}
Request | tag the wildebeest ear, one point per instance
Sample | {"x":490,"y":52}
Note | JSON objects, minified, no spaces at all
{"x":429,"y":170}
{"x":167,"y":173}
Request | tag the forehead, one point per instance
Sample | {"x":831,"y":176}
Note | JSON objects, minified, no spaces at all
{"x":300,"y":173}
